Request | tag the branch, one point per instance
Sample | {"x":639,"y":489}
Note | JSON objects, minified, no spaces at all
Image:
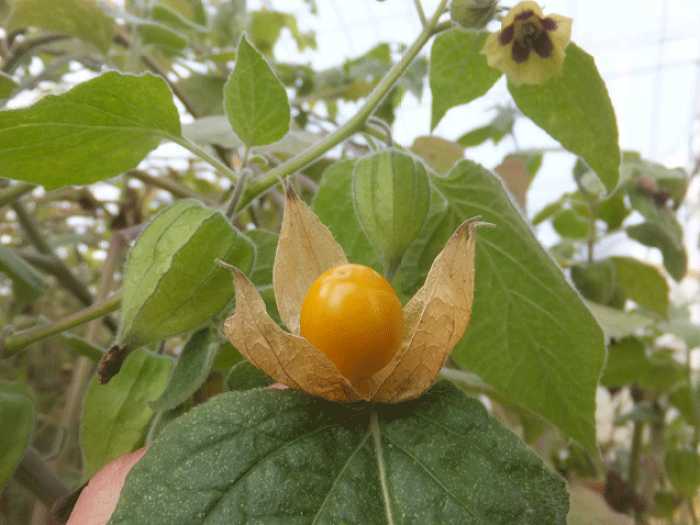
{"x":36,"y":476}
{"x":169,"y":185}
{"x":21,"y":49}
{"x":14,"y":192}
{"x":12,"y":344}
{"x":356,"y":123}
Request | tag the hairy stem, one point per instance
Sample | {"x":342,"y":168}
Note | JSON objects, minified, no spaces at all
{"x":355,"y":124}
{"x":16,"y":342}
{"x":200,"y":152}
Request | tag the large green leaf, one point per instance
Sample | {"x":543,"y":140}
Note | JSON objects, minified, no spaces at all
{"x":333,"y":205}
{"x":627,"y":363}
{"x":458,"y":71}
{"x":391,"y":191}
{"x":95,"y":131}
{"x":683,"y":469}
{"x":79,"y":18}
{"x":530,"y":335}
{"x":17,"y":417}
{"x":575,"y":109}
{"x":268,"y":456}
{"x":191,"y":370}
{"x":116,"y":415}
{"x":173,"y":283}
{"x":255,"y":100}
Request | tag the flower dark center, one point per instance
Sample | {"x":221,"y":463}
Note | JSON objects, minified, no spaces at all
{"x":527,"y":33}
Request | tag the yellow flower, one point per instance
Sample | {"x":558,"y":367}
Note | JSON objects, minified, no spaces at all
{"x":434,"y":320}
{"x":530,"y":48}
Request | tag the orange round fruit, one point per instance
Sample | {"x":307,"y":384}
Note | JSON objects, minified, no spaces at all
{"x":353,"y":315}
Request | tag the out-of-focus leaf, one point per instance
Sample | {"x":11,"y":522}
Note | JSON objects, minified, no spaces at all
{"x":82,"y":347}
{"x":618,"y":324}
{"x":417,"y":462}
{"x":95,"y":131}
{"x":116,"y":415}
{"x":161,"y":36}
{"x":596,"y":281}
{"x":627,"y":363}
{"x":458,"y":71}
{"x":206,"y":94}
{"x":17,"y":416}
{"x":667,"y":236}
{"x":265,"y":27}
{"x":191,"y":370}
{"x":391,"y":191}
{"x":516,"y":177}
{"x":172,"y":282}
{"x":255,"y":100}
{"x":79,"y":18}
{"x":575,"y":109}
{"x":642,"y":283}
{"x":439,"y":153}
{"x":683,"y":470}
{"x":572,"y":225}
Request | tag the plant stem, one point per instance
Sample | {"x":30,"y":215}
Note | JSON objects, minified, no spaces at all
{"x":421,"y":12}
{"x":26,"y":46}
{"x":222,"y":168}
{"x":240,"y":185}
{"x":16,"y":342}
{"x":356,"y":123}
{"x":35,"y":475}
{"x":635,"y":457}
{"x":14,"y":192}
{"x":178,"y":190}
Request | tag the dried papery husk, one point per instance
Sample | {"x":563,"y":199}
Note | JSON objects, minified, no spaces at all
{"x":435,"y":319}
{"x":286,"y":358}
{"x":306,"y":248}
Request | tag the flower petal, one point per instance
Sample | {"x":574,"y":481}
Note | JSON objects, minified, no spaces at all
{"x":435,"y":320}
{"x":286,"y":358}
{"x":519,"y":9}
{"x":306,"y":249}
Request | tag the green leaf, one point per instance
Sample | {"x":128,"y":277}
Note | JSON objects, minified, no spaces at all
{"x":82,"y":347}
{"x":7,"y":85}
{"x":597,"y":281}
{"x":161,"y":36}
{"x":205,"y":93}
{"x":95,"y":131}
{"x":268,"y":456}
{"x":79,"y":18}
{"x":616,"y":323}
{"x":245,"y":376}
{"x":265,"y":248}
{"x":334,"y":206}
{"x":255,"y":100}
{"x":27,"y":283}
{"x":575,"y":109}
{"x":439,"y":153}
{"x":458,"y":71}
{"x":172,"y":282}
{"x":191,"y":370}
{"x":686,"y":399}
{"x":530,"y":335}
{"x":116,"y":415}
{"x":667,"y":236}
{"x":683,"y":470}
{"x":570,"y":224}
{"x":627,"y":363}
{"x":391,"y":192}
{"x":265,"y":27}
{"x":642,"y":283}
{"x":17,"y":415}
